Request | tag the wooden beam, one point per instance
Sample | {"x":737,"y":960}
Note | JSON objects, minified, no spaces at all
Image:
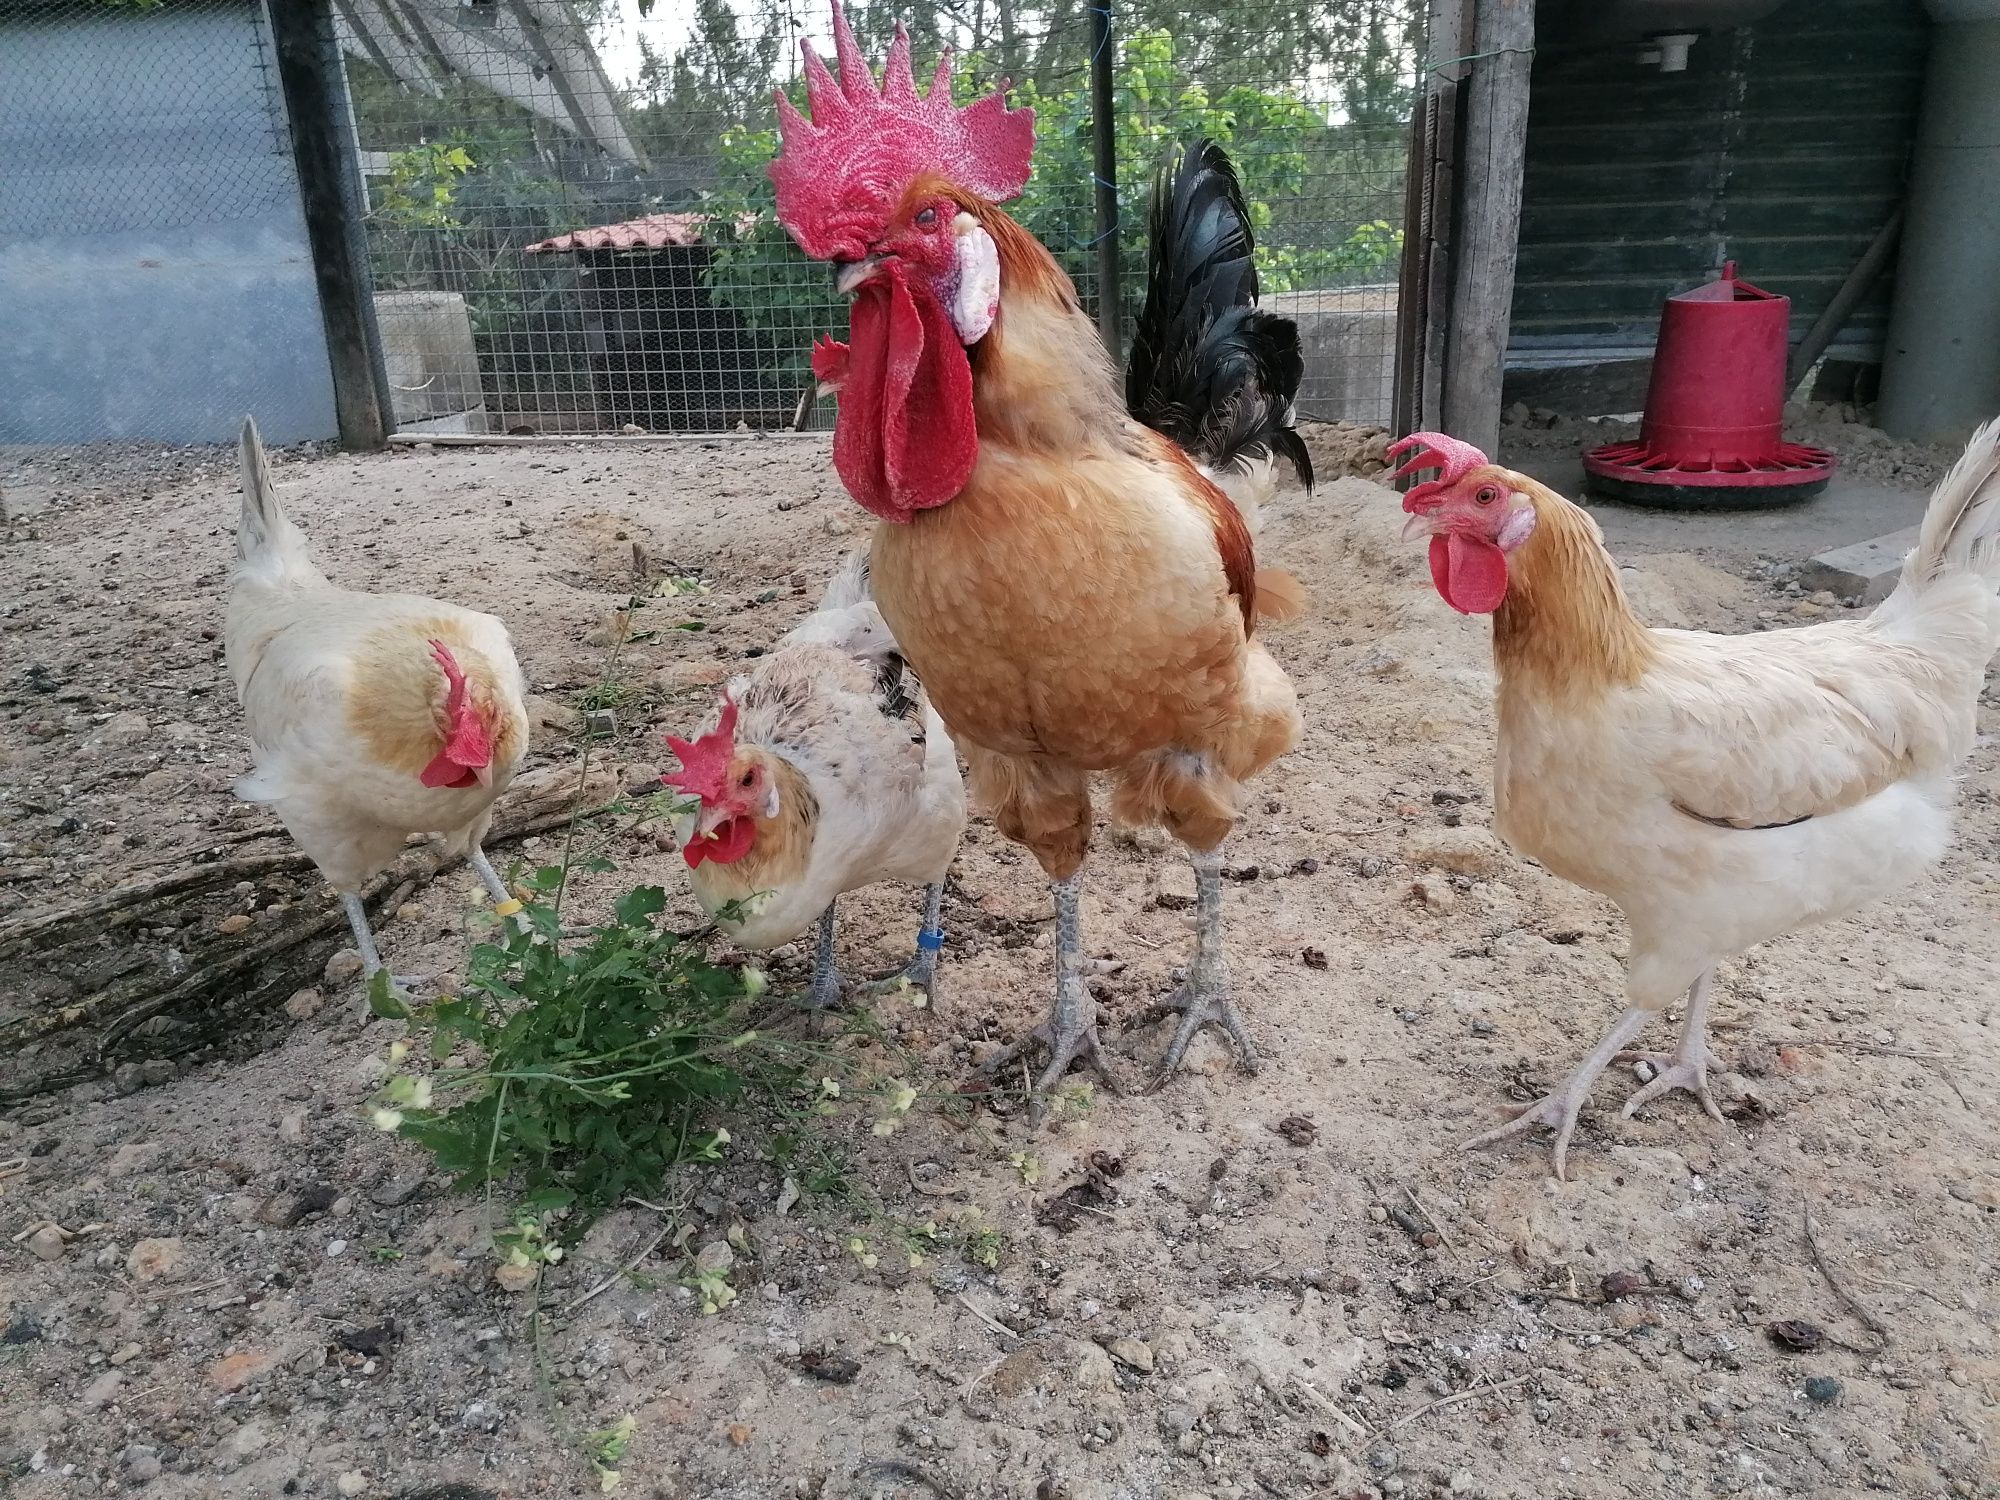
{"x":308,"y":63}
{"x":1104,"y":164}
{"x":1494,"y":141}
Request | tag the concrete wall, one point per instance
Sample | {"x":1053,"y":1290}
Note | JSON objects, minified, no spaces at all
{"x":155,"y":276}
{"x":1348,"y":338}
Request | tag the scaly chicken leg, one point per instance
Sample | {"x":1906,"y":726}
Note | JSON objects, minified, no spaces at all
{"x":922,"y":970}
{"x":364,"y":944}
{"x":488,"y":876}
{"x":828,"y":987}
{"x":1071,"y":1029}
{"x":1558,"y":1110}
{"x":1203,"y":997}
{"x":1686,"y":1067}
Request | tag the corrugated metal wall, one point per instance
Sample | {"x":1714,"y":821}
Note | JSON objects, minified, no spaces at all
{"x":1782,"y":147}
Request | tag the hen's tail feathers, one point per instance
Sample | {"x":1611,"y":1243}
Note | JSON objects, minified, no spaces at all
{"x":267,"y":542}
{"x":849,"y":584}
{"x":1209,"y":368}
{"x":1961,"y":529}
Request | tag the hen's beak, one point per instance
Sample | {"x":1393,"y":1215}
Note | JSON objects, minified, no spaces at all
{"x":483,"y":774}
{"x":1421,"y":523}
{"x":855,"y":274}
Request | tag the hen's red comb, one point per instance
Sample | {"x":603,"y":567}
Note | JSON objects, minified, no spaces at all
{"x":705,"y":761}
{"x":839,"y":172}
{"x":1433,"y":450}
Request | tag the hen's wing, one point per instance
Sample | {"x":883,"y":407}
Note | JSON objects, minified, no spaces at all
{"x":1761,"y":730}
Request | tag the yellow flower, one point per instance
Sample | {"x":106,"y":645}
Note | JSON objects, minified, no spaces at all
{"x":507,"y":908}
{"x":397,"y":1052}
{"x":903,"y":1097}
{"x":388,"y":1119}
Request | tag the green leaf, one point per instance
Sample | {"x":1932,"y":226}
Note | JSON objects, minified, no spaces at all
{"x":382,"y":998}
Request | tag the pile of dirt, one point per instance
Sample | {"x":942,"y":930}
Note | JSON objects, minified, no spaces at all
{"x":217,"y":1280}
{"x":1864,"y":451}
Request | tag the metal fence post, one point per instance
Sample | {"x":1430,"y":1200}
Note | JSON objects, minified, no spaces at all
{"x":1104,"y":166}
{"x":301,"y":31}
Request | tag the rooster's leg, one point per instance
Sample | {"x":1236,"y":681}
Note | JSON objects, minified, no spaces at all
{"x":1686,"y":1067}
{"x":364,"y":944}
{"x":1203,"y":998}
{"x":828,"y":988}
{"x":1559,"y":1110}
{"x":920,"y":973}
{"x":1070,"y":1032}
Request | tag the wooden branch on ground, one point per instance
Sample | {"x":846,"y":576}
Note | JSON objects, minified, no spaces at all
{"x":227,"y":984}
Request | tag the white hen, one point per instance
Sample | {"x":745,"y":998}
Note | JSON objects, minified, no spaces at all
{"x":371,"y":716}
{"x":824,"y":772}
{"x":1721,"y":789}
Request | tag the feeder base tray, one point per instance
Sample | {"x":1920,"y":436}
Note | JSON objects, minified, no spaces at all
{"x":1637,"y":475}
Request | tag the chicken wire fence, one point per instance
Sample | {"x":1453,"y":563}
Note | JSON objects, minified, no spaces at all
{"x":565,"y":206}
{"x":155,"y":275}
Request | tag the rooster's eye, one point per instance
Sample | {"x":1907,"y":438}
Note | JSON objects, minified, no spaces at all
{"x":927,"y":219}
{"x":1487,"y":496}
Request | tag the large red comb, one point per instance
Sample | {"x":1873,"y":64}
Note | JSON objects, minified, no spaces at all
{"x":1433,"y":450}
{"x":839,"y":172}
{"x":705,"y":761}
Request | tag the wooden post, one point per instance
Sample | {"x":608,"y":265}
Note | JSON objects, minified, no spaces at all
{"x":1494,"y":140}
{"x":309,"y":76}
{"x":1104,"y":163}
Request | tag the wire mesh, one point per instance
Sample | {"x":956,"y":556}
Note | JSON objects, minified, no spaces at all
{"x":569,"y":218}
{"x":155,"y":277}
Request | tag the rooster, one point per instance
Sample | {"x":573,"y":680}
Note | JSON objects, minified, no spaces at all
{"x":371,"y":716}
{"x":1075,"y":587}
{"x":823,"y":774}
{"x":1722,"y":790}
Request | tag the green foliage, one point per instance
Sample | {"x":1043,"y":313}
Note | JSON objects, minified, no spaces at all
{"x":1278,"y":140}
{"x":422,"y":183}
{"x":581,"y":1071}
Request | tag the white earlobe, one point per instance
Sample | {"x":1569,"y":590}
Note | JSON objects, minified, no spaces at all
{"x":1516,"y":529}
{"x":771,"y":801}
{"x":975,"y":301}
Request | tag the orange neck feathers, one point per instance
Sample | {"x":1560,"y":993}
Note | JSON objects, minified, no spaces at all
{"x":1565,"y":621}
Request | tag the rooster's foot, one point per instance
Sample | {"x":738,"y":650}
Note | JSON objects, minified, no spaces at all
{"x":1201,"y":1000}
{"x":920,"y":973}
{"x":1558,"y":1110}
{"x":1070,"y":1035}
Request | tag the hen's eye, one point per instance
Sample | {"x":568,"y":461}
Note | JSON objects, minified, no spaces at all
{"x":1487,"y":495}
{"x":749,"y":780}
{"x":927,"y":219}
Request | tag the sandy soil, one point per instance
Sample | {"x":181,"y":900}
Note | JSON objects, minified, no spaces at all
{"x":264,"y":1296}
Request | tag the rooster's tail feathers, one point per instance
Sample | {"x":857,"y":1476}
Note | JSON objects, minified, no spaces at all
{"x":1961,"y":528}
{"x":266,"y":540}
{"x":1209,"y":368}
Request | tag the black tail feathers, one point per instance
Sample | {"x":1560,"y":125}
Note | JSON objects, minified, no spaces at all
{"x":1209,"y":368}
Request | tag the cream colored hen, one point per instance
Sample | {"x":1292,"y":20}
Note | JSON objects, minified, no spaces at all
{"x":371,"y":716}
{"x":1722,"y":790}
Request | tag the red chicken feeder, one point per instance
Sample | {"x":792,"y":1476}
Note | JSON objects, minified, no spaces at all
{"x":1713,"y":435}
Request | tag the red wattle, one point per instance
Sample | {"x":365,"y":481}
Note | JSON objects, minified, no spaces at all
{"x":727,"y":844}
{"x":1470,"y":572}
{"x":905,"y":439}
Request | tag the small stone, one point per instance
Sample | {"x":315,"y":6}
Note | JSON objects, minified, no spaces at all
{"x":124,"y":729}
{"x":397,"y":1190}
{"x":142,"y":1464}
{"x":479,"y":1417}
{"x":1313,"y":958}
{"x":715,"y":1258}
{"x":234,"y":1371}
{"x":1434,"y":895}
{"x":515,"y":1276}
{"x":1821,"y":1388}
{"x":600,"y":723}
{"x":150,"y":1260}
{"x":231,"y":926}
{"x":292,"y":1125}
{"x":335,"y":1249}
{"x":304,"y":1004}
{"x":245,"y":1442}
{"x":287,"y":1210}
{"x":1132,"y":1354}
{"x":352,"y":1483}
{"x":47,"y":1243}
{"x":132,"y":1159}
{"x":101,"y":1391}
{"x":344,"y":966}
{"x":1297,"y":1130}
{"x":124,"y":1356}
{"x":23,"y":1328}
{"x":1371,"y":866}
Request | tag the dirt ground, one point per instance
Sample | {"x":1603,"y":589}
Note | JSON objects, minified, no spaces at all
{"x":1294,"y":1286}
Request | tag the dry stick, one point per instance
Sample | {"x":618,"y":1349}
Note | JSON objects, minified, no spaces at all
{"x":116,"y":902}
{"x":991,"y":1322}
{"x":1473,"y":1394}
{"x":1327,"y":1406}
{"x":1854,"y":1304}
{"x":620,"y":1274}
{"x":216,"y":841}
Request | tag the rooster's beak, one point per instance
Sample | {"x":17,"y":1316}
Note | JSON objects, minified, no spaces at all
{"x":1421,"y":523}
{"x":855,"y":274}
